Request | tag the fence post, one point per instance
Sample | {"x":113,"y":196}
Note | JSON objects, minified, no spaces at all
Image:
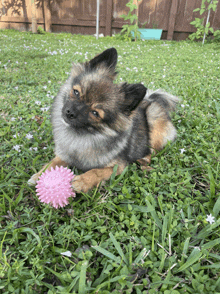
{"x":108,"y":22}
{"x":172,"y":19}
{"x":33,"y":17}
{"x":47,"y":16}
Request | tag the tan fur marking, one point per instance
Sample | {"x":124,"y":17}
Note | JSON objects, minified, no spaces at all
{"x":93,"y":177}
{"x":100,"y":112}
{"x":96,"y":107}
{"x":78,"y":88}
{"x":94,"y":118}
{"x":52,"y":164}
{"x":161,"y":129}
{"x":144,"y":162}
{"x":158,"y":133}
{"x":120,"y":163}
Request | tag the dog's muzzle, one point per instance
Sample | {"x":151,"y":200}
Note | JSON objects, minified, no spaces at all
{"x":75,"y":113}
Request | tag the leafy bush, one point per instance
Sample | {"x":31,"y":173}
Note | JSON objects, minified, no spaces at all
{"x":130,"y":31}
{"x":40,"y":30}
{"x":201,"y":29}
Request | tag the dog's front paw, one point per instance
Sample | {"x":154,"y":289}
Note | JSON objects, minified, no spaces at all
{"x":33,"y":179}
{"x":81,"y":184}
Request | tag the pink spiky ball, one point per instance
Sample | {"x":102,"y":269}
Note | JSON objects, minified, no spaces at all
{"x":54,"y":186}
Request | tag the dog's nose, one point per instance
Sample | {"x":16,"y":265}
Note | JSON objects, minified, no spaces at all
{"x":71,"y":113}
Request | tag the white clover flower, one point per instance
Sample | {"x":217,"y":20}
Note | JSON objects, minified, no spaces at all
{"x":67,"y":253}
{"x":17,"y":148}
{"x":182,"y":150}
{"x":45,"y":87}
{"x":210,"y":219}
{"x":44,"y":108}
{"x":38,"y":102}
{"x":33,"y":148}
{"x":13,"y":119}
{"x":16,"y":135}
{"x":29,"y":136}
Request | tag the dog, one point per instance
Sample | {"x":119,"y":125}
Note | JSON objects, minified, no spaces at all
{"x":98,"y":124}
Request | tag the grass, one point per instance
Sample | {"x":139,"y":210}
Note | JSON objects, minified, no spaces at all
{"x":143,"y":232}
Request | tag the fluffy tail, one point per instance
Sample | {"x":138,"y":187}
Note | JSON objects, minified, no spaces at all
{"x":164,"y":99}
{"x":160,"y":105}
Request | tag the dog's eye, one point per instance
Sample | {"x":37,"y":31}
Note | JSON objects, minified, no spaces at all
{"x":95,"y":113}
{"x":76,"y":92}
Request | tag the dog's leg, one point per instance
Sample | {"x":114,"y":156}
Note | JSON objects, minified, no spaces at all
{"x":57,"y":161}
{"x":93,"y":177}
{"x":145,"y":162}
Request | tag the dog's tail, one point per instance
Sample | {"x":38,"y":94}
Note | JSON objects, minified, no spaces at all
{"x":167,"y":101}
{"x":159,"y":107}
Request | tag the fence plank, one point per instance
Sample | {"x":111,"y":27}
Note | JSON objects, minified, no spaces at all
{"x":172,"y":20}
{"x":216,"y":20}
{"x":19,"y":19}
{"x":108,"y":24}
{"x":47,"y":16}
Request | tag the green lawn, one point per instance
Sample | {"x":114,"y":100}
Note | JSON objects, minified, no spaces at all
{"x":143,"y":232}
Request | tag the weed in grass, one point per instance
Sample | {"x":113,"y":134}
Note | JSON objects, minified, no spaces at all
{"x":143,"y":232}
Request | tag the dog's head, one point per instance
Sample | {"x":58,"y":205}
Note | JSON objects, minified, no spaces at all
{"x":94,"y":102}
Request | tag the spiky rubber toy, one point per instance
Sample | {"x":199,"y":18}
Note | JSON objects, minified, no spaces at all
{"x":54,"y":186}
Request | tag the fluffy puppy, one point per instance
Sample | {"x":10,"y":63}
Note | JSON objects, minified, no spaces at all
{"x":98,"y":124}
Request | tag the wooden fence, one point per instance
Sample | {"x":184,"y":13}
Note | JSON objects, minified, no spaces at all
{"x":79,"y":16}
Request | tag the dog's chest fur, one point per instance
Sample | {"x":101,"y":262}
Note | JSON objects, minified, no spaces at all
{"x":86,"y":151}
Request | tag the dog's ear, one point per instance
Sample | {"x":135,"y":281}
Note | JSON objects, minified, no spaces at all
{"x":108,"y":58}
{"x":133,"y":95}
